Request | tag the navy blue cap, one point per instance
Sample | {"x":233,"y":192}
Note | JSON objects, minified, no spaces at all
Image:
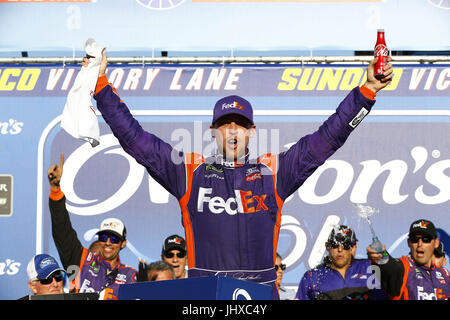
{"x":41,"y":266}
{"x":233,"y":105}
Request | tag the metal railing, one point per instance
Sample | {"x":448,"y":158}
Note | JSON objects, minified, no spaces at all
{"x":233,"y":60}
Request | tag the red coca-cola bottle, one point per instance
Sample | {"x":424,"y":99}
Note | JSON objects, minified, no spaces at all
{"x":381,"y":52}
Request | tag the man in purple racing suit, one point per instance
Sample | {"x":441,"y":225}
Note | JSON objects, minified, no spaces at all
{"x":414,"y":277}
{"x":101,"y":272}
{"x":231,"y":203}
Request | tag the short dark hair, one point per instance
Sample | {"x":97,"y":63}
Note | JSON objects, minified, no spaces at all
{"x":159,"y":266}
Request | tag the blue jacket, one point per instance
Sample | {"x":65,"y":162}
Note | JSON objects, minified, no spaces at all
{"x":231,"y":212}
{"x":326,"y":283}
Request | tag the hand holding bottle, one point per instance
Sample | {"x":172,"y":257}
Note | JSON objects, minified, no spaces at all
{"x":376,"y":252}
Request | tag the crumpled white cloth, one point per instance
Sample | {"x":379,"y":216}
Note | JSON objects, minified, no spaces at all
{"x":79,"y":118}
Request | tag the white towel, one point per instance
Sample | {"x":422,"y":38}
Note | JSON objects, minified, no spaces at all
{"x":79,"y":118}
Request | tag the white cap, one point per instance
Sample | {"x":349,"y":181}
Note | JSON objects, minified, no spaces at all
{"x":114,"y":226}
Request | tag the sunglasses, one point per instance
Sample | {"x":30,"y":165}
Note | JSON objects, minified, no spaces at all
{"x":281,"y":266}
{"x":171,"y":254}
{"x":346,"y":245}
{"x":58,"y":276}
{"x":103,"y":237}
{"x":425,"y":239}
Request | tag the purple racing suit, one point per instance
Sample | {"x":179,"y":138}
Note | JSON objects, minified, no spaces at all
{"x":231,"y":212}
{"x":404,"y":280}
{"x":93,"y":273}
{"x":96,"y":275}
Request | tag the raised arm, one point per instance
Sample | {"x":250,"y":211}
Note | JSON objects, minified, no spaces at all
{"x":165,"y":165}
{"x":392,"y":272}
{"x":311,"y":151}
{"x":66,"y":240}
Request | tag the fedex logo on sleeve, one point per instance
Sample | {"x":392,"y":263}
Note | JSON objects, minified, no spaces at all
{"x":242,"y":202}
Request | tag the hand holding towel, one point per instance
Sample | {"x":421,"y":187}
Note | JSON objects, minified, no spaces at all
{"x":79,"y":118}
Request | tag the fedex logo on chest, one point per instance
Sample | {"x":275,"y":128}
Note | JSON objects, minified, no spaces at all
{"x":242,"y":202}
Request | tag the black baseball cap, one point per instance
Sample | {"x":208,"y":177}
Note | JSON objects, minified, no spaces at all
{"x":423,"y":227}
{"x":174,"y":242}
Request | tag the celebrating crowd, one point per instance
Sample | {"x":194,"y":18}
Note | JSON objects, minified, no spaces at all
{"x":251,"y":225}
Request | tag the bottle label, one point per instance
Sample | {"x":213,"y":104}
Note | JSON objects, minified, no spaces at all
{"x":381,"y":51}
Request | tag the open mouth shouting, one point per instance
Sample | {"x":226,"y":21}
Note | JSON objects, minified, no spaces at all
{"x":232,"y":143}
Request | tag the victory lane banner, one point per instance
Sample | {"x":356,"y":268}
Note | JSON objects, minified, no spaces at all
{"x":289,"y":80}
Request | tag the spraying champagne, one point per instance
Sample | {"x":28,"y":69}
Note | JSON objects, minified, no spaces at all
{"x":366,"y":212}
